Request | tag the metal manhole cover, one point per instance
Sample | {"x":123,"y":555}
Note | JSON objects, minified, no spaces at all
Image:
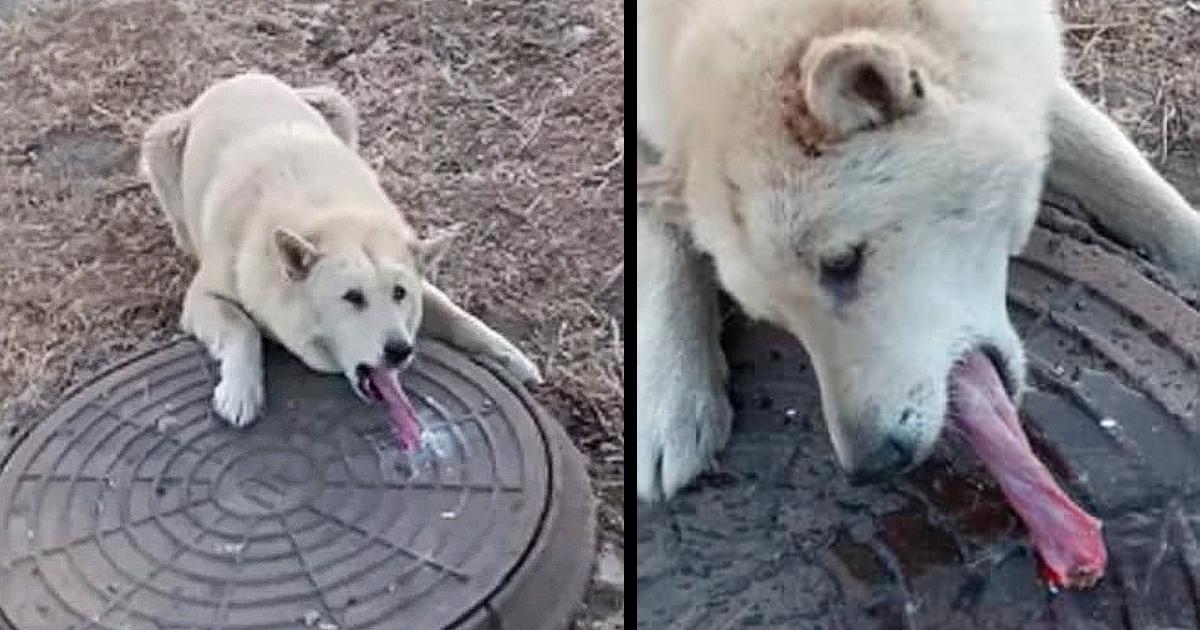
{"x":132,"y":508}
{"x":778,"y":539}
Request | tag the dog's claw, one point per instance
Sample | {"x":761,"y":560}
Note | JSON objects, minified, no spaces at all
{"x":522,"y":367}
{"x":676,"y":442}
{"x":237,"y":401}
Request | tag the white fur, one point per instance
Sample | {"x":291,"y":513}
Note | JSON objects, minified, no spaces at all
{"x":799,"y":129}
{"x":262,"y":184}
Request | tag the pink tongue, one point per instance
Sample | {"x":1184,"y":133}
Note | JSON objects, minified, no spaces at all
{"x":406,"y":428}
{"x":1068,"y":540}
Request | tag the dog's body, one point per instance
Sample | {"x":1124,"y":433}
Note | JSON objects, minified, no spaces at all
{"x":858,"y":171}
{"x":295,"y":238}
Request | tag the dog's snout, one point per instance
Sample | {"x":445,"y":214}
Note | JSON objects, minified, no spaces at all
{"x":891,"y":458}
{"x":396,"y":352}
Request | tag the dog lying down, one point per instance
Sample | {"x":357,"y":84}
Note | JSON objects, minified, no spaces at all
{"x":1069,"y":542}
{"x":262,"y":184}
{"x":857,"y":173}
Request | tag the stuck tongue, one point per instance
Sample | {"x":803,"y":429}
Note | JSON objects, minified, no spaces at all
{"x":406,"y":428}
{"x":1070,"y":546}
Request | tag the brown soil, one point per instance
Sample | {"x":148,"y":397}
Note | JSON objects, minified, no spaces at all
{"x":1140,"y":61}
{"x":503,"y":118}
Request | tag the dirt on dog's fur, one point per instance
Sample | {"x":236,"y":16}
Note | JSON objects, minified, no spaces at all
{"x":503,"y":118}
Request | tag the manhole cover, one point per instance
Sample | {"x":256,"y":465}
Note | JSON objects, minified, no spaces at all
{"x":777,"y":539}
{"x":132,"y":508}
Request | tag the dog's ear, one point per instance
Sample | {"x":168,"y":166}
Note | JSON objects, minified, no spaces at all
{"x":660,"y":190}
{"x":297,"y":254}
{"x":161,"y":161}
{"x":854,"y":81}
{"x":432,"y":249}
{"x":336,"y":109}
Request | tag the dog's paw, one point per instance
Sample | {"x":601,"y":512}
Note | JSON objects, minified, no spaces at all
{"x":1191,"y":274}
{"x":238,"y":398}
{"x":521,"y":367}
{"x":678,"y":437}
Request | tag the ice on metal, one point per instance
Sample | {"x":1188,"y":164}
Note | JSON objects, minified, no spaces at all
{"x":441,"y":443}
{"x":231,"y":549}
{"x":168,"y":422}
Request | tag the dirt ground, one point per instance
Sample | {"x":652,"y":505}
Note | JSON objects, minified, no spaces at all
{"x":501,"y":118}
{"x":1140,"y":61}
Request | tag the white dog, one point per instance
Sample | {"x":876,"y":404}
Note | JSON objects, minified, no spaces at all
{"x":294,"y":236}
{"x":858,"y":172}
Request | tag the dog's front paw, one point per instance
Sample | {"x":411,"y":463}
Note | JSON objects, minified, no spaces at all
{"x":520,"y":366}
{"x":1181,"y":256}
{"x":238,"y":398}
{"x":1191,"y":273}
{"x":683,"y":427}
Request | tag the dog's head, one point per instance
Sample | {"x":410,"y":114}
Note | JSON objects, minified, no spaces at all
{"x":361,"y":288}
{"x":853,"y":193}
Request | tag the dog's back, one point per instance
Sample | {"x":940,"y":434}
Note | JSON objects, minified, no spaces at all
{"x":244,"y":129}
{"x":234,"y":111}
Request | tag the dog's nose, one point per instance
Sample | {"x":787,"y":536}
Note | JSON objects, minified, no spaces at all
{"x":396,"y":352}
{"x":891,"y":458}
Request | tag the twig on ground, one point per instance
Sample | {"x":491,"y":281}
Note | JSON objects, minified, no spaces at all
{"x":128,"y":188}
{"x":532,"y":205}
{"x":610,"y":278}
{"x":1102,"y":26}
{"x":617,"y":346}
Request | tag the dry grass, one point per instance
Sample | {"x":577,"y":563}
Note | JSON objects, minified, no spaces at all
{"x":502,"y":117}
{"x":1140,"y":61}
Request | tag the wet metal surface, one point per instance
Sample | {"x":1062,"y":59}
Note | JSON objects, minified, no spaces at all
{"x":777,"y":538}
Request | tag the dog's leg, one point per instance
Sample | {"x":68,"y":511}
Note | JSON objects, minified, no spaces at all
{"x":234,"y":341}
{"x":446,"y":321}
{"x":1093,"y":161}
{"x":683,"y":413}
{"x":336,"y":109}
{"x":162,"y":164}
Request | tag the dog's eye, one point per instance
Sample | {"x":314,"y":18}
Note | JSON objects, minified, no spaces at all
{"x":355,"y":297}
{"x":844,"y":266}
{"x":398,"y":293}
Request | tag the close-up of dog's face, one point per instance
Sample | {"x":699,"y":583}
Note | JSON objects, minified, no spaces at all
{"x":854,"y":200}
{"x":363,"y":298}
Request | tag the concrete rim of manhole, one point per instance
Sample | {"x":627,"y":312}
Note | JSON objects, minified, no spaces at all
{"x":130,"y":506}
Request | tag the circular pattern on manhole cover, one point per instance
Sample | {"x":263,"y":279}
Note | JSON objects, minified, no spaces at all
{"x":778,"y":539}
{"x":132,"y":507}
